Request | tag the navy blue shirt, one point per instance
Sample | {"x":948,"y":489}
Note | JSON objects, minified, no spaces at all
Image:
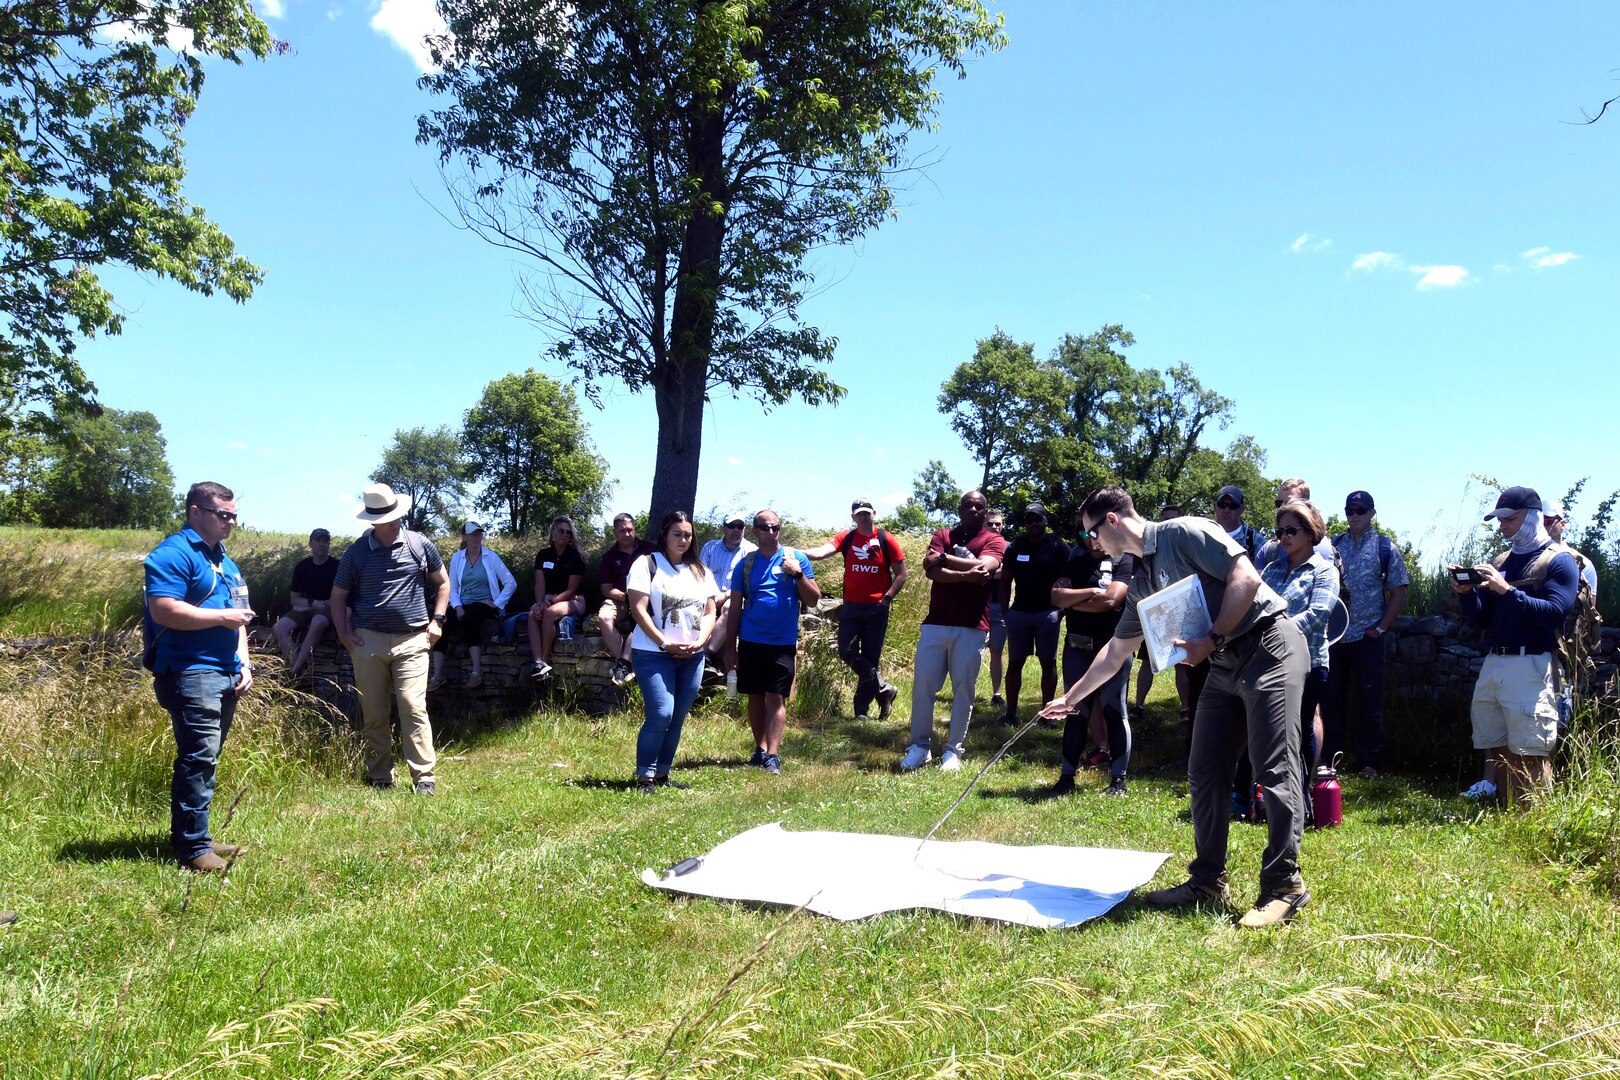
{"x":1522,"y":619}
{"x":184,"y":567}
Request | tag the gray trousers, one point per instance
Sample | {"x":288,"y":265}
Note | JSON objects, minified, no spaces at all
{"x":941,"y":651}
{"x":1252,"y":698}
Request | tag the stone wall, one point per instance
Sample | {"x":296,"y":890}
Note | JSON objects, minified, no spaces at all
{"x":1439,"y":657}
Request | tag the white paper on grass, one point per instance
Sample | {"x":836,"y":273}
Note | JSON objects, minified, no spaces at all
{"x":857,"y":875}
{"x":1177,"y":611}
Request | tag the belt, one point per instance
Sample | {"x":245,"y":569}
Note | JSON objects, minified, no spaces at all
{"x":1517,"y":650}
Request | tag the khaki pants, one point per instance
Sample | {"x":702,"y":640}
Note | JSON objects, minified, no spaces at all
{"x":394,"y":665}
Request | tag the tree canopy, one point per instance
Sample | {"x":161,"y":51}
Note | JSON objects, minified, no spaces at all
{"x":93,"y":100}
{"x":525,"y":441}
{"x":430,"y":467}
{"x":1052,"y":430}
{"x":108,"y":471}
{"x":669,"y":164}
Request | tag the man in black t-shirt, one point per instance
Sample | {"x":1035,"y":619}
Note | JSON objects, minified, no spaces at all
{"x":1033,"y":563}
{"x":1092,"y":589}
{"x":311,"y":589}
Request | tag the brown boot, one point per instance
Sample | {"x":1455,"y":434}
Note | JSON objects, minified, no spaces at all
{"x":207,"y":863}
{"x":227,"y":851}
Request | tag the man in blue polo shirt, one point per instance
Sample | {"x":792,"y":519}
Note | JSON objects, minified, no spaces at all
{"x":762,"y":632}
{"x":196,"y":597}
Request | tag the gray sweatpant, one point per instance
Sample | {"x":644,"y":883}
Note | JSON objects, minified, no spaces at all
{"x":942,"y":650}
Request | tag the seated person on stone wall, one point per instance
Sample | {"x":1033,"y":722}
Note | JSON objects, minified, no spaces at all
{"x":311,"y":589}
{"x":559,"y":575}
{"x":480,"y":588}
{"x":614,"y":614}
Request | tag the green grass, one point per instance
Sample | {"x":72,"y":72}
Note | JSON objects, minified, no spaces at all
{"x":500,"y":929}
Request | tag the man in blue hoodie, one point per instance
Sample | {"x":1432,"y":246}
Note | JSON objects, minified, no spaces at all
{"x":1521,"y":598}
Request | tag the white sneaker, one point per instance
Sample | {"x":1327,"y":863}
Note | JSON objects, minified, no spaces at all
{"x":950,"y":762}
{"x":1481,"y":791}
{"x":916,"y":757}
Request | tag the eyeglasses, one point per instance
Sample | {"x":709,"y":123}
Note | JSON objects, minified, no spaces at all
{"x":1356,"y":511}
{"x":1290,"y":530}
{"x":563,"y":532}
{"x":224,"y":515}
{"x":767,"y":528}
{"x":1227,"y":504}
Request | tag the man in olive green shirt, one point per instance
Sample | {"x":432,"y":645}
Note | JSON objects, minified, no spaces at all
{"x":1258,"y":662}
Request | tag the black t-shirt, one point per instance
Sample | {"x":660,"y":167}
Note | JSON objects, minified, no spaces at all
{"x":1034,"y":565}
{"x":1085,"y":571}
{"x":558,"y":568}
{"x":314,"y":582}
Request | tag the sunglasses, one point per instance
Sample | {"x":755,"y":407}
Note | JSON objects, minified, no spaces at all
{"x":767,"y":528}
{"x":1087,"y":534}
{"x":1228,"y":504}
{"x":1356,"y":511}
{"x":563,"y":532}
{"x":224,"y":515}
{"x":1290,"y":530}
{"x":734,"y":524}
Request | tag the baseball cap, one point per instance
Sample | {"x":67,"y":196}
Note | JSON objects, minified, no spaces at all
{"x":470,"y":528}
{"x":1035,"y":510}
{"x":319,"y":534}
{"x":1513,"y":500}
{"x":736,"y":517}
{"x":1553,"y":509}
{"x":1234,"y":491}
{"x":862,"y":504}
{"x":1360,"y":498}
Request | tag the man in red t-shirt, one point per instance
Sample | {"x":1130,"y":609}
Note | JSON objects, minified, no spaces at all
{"x":874,"y":574}
{"x":959,"y":563}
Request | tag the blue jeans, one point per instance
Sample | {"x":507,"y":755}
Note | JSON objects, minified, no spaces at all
{"x":668,"y":688}
{"x":201,"y":704}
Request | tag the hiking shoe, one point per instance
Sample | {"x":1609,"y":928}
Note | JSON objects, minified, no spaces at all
{"x":773,"y":763}
{"x":997,"y":701}
{"x":1368,"y":773}
{"x":538,"y":671}
{"x":1273,"y":909}
{"x":1116,"y":787}
{"x":951,"y":761}
{"x":1190,"y":892}
{"x":646,"y":785}
{"x":422,"y":787}
{"x":207,"y":863}
{"x":1064,"y":785}
{"x":435,"y":682}
{"x":1008,"y":720}
{"x":475,"y":681}
{"x":622,"y":675}
{"x":665,"y":781}
{"x":916,"y":757}
{"x":885,"y":701}
{"x":1482,"y":791}
{"x":758,"y":760}
{"x":226,"y":851}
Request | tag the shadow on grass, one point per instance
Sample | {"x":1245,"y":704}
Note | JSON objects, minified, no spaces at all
{"x":153,"y":847}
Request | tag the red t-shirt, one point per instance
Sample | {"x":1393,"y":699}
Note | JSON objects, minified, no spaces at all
{"x":868,"y":565}
{"x":961,"y":603}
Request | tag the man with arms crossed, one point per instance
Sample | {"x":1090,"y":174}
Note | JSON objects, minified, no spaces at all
{"x":1258,"y":660}
{"x":196,"y":596}
{"x":874,"y":574}
{"x":960,"y":563}
{"x":762,"y":632}
{"x":390,"y":571}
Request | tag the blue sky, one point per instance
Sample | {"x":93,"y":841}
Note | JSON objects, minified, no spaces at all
{"x":1379,"y":228}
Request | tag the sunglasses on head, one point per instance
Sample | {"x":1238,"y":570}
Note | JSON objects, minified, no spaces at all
{"x":1290,"y":530}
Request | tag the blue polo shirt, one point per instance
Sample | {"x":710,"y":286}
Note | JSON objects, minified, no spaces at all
{"x":770,"y":614}
{"x":184,"y":567}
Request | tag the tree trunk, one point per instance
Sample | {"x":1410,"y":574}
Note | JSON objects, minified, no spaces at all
{"x":680,"y":444}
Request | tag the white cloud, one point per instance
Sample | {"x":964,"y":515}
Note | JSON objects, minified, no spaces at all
{"x":178,"y":38}
{"x":1439,"y":277}
{"x":274,"y":9}
{"x":1543,"y":258}
{"x":733,"y":461}
{"x":1306,"y":242}
{"x":406,"y":23}
{"x":1377,"y":260}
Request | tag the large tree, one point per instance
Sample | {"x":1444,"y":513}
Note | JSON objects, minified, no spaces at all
{"x":669,"y":164}
{"x":430,"y":467}
{"x":93,"y":99}
{"x":527,"y":444}
{"x":108,"y":471}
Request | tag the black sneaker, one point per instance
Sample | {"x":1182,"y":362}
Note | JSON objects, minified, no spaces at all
{"x":773,"y":763}
{"x":997,"y":701}
{"x":885,"y":700}
{"x":758,"y":760}
{"x":1008,"y":720}
{"x":665,"y":781}
{"x":646,"y":785}
{"x":382,"y":785}
{"x":1064,"y":785}
{"x":1116,"y":787}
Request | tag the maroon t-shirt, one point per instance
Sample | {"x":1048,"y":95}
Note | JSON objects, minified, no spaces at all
{"x":615,"y":568}
{"x":962,"y":603}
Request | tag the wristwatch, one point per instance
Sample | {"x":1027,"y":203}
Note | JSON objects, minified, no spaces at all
{"x":438,"y":619}
{"x":1218,"y":639}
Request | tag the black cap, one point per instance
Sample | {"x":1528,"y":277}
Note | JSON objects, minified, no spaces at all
{"x":320,"y":534}
{"x":1359,"y":498}
{"x":1035,"y":510}
{"x":1513,"y":500}
{"x":1234,"y":491}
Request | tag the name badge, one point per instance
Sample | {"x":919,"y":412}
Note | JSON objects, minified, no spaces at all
{"x":548,"y":566}
{"x":1023,"y":558}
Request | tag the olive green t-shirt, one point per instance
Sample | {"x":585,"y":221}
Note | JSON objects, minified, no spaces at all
{"x":1181,"y":547}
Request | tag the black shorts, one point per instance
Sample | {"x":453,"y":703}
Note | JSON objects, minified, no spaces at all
{"x":765,"y":669}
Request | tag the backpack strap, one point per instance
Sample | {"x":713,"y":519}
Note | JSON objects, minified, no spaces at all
{"x":748,"y":572}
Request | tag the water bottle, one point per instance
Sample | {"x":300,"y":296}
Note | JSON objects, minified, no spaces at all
{"x":1257,"y":805}
{"x":731,"y":685}
{"x":1327,"y":800}
{"x":565,"y":627}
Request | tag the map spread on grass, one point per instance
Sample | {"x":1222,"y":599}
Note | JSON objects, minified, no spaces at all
{"x":857,"y":875}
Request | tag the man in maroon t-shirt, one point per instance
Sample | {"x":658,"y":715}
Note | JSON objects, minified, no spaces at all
{"x":614,"y":614}
{"x":959,"y":563}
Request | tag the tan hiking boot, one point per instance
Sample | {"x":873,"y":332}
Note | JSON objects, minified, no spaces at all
{"x":1190,"y":892}
{"x":1273,"y":909}
{"x":207,"y":863}
{"x":227,"y":851}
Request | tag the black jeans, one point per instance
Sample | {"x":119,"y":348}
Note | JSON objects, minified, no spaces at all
{"x":1358,"y":664}
{"x":1077,"y":660}
{"x":861,"y":630}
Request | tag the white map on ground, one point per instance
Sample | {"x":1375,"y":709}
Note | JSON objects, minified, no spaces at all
{"x":856,"y":875}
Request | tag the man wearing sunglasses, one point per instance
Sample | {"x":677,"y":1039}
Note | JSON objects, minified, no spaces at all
{"x":722,"y":556}
{"x":197,"y":607}
{"x":1258,"y":661}
{"x":1229,"y":507}
{"x":1375,"y":576}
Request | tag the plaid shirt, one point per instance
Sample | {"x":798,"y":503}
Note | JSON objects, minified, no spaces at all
{"x":1311,"y":589}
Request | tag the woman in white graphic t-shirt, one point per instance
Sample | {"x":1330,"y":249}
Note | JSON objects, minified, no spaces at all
{"x":672,"y":597}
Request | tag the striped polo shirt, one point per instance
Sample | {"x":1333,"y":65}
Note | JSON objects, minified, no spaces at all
{"x":387,"y":584}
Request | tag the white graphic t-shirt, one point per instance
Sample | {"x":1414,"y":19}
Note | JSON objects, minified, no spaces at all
{"x":676,"y":598}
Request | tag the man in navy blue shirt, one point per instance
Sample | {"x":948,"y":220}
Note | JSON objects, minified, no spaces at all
{"x":196,"y":596}
{"x":1521,"y":598}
